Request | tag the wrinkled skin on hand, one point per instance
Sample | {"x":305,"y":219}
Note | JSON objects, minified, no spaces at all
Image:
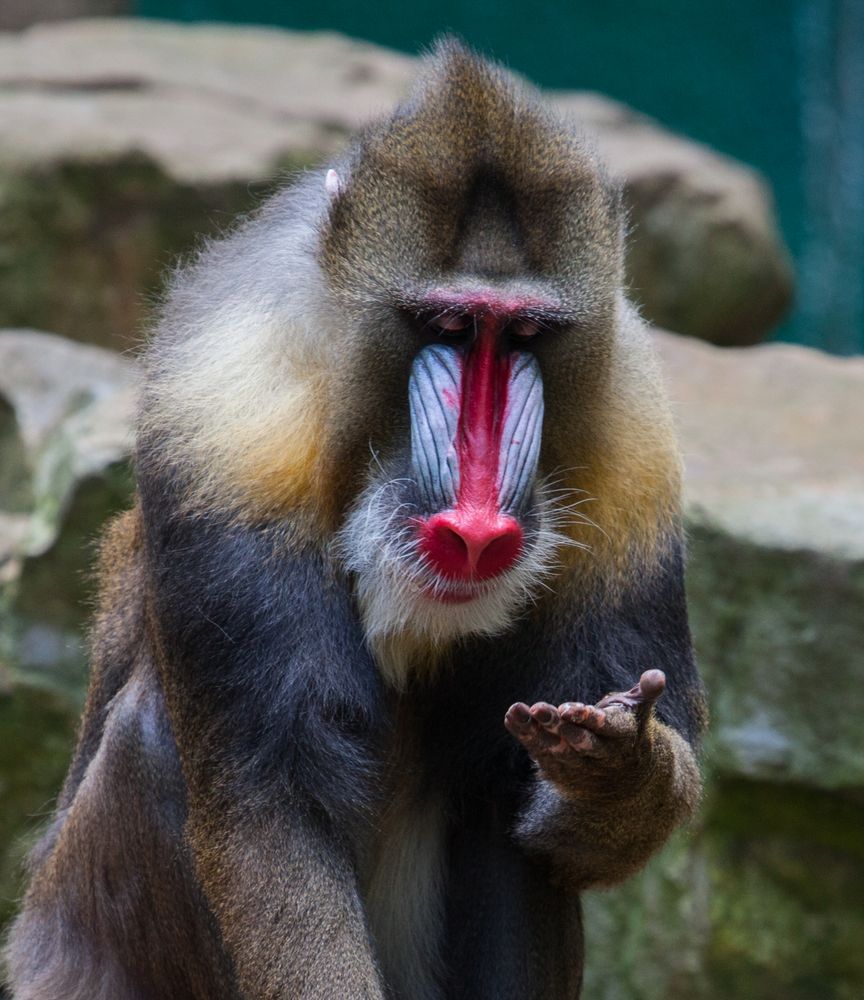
{"x":598,"y":749}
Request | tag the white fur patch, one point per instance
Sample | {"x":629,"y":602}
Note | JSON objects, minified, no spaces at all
{"x":397,"y":591}
{"x":241,"y":349}
{"x":404,"y":904}
{"x":332,"y":183}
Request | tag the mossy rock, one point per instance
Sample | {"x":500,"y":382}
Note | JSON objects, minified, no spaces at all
{"x":764,"y":899}
{"x":779,"y":638}
{"x":123,"y":140}
{"x":16,"y":492}
{"x":57,"y":587}
{"x":787,"y":910}
{"x":47,"y":608}
{"x":85,"y":246}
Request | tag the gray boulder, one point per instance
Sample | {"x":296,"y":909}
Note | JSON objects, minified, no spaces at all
{"x":69,"y":410}
{"x":65,"y":419}
{"x":762,"y":897}
{"x":775,"y":492}
{"x":68,"y":420}
{"x":704,"y":256}
{"x":17,"y":14}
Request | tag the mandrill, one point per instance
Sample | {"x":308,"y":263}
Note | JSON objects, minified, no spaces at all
{"x":380,"y":650}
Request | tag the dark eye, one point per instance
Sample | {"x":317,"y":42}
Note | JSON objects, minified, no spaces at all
{"x":523,"y":329}
{"x":452,"y":324}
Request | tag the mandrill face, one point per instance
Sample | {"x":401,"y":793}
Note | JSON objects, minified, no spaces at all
{"x":447,"y":296}
{"x":478,"y":282}
{"x":457,"y":537}
{"x":476,"y":404}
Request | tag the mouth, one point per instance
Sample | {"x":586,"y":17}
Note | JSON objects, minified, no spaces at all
{"x":445,"y":591}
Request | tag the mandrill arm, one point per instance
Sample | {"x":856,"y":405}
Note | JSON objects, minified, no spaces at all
{"x":258,"y":653}
{"x":613,"y":782}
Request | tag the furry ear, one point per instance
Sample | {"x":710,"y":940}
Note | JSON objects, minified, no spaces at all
{"x":332,"y":183}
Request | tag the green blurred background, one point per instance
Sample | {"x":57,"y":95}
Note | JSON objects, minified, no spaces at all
{"x":776,"y":83}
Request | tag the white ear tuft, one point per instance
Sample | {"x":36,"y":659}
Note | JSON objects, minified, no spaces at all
{"x":332,"y":183}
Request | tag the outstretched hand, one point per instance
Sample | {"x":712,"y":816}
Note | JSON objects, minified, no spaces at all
{"x":563,"y":738}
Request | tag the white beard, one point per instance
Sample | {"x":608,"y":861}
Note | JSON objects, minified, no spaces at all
{"x":402,"y":597}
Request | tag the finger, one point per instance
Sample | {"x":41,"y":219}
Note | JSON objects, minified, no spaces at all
{"x":518,"y":719}
{"x":545,"y":715}
{"x":652,"y":684}
{"x":529,"y":733}
{"x":641,"y":696}
{"x":579,"y":714}
{"x":545,"y":739}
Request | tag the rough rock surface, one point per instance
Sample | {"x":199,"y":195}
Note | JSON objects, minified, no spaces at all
{"x":795,"y":478}
{"x":238,"y":99}
{"x":128,"y":140}
{"x":775,"y":491}
{"x":72,"y":406}
{"x":65,"y":415}
{"x":703,"y":254}
{"x":764,"y":896}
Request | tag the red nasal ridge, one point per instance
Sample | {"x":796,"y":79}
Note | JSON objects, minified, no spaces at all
{"x":470,"y":546}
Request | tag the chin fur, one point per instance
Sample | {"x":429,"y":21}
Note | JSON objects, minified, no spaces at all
{"x":405,"y":605}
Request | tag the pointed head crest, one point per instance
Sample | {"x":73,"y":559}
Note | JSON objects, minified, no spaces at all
{"x":471,"y":176}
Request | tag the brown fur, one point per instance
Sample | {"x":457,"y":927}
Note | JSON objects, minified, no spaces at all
{"x":162,"y":876}
{"x":159,"y":921}
{"x":109,"y":833}
{"x":611,"y":808}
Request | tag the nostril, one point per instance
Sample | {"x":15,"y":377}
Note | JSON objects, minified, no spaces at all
{"x":452,"y":545}
{"x":499,"y":553}
{"x":472,"y":547}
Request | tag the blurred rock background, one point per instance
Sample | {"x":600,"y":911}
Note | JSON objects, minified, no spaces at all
{"x":123,"y":143}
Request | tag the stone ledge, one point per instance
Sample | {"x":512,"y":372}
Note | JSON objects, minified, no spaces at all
{"x":772,"y":442}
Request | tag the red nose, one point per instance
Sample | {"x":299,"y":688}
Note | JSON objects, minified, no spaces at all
{"x":470,"y":546}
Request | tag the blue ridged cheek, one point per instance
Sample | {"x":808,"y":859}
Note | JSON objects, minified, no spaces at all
{"x":434,"y":396}
{"x":434,"y":399}
{"x":522,"y":433}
